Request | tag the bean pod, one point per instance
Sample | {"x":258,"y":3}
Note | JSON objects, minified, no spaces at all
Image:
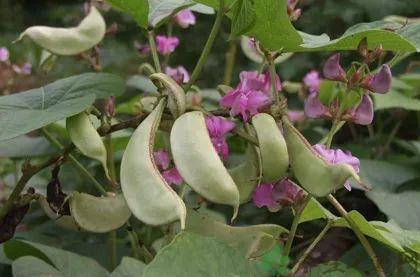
{"x":84,"y":135}
{"x":273,"y":148}
{"x":176,"y":96}
{"x":146,"y":192}
{"x":314,"y":173}
{"x":63,"y":221}
{"x":69,"y":41}
{"x":198,"y":162}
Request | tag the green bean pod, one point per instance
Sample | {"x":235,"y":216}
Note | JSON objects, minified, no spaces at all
{"x":247,"y":174}
{"x":63,"y":221}
{"x":69,"y":41}
{"x":146,"y":192}
{"x":273,"y":148}
{"x":314,"y":173}
{"x":176,"y":97}
{"x":99,"y":214}
{"x":198,"y":162}
{"x":84,"y":135}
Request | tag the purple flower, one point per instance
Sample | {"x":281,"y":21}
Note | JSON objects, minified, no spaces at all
{"x":363,"y":114}
{"x":380,"y":82}
{"x":179,"y":74}
{"x":166,"y":45}
{"x":312,"y":81}
{"x":218,"y":127}
{"x":184,"y":18}
{"x":143,"y":49}
{"x":25,"y":69}
{"x":296,"y":116}
{"x":314,"y":108}
{"x":333,"y":70}
{"x":4,"y":54}
{"x":161,"y":159}
{"x":276,"y":195}
{"x":256,"y":81}
{"x":172,"y":176}
{"x":337,"y":156}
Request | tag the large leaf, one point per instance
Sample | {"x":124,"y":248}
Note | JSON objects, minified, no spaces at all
{"x":193,"y":255}
{"x":24,"y":147}
{"x":334,"y":269}
{"x":243,"y":18}
{"x":395,"y":99}
{"x":129,"y":267}
{"x":314,"y":210}
{"x":27,"y":111}
{"x":29,"y":266}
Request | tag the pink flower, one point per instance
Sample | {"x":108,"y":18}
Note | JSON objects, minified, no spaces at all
{"x":166,"y":45}
{"x":218,"y":127}
{"x":4,"y":54}
{"x":179,"y":74}
{"x":312,"y":81}
{"x":143,"y":49}
{"x":333,"y":70}
{"x":363,"y":114}
{"x":296,"y":116}
{"x":261,"y":82}
{"x":337,"y":156}
{"x":314,"y":108}
{"x":184,"y":18}
{"x":380,"y":82}
{"x":172,"y":176}
{"x":161,"y":159}
{"x":25,"y":69}
{"x":276,"y":195}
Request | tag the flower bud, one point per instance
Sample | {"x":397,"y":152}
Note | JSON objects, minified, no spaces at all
{"x":380,"y":82}
{"x":333,"y":70}
{"x":184,"y":18}
{"x":363,"y":114}
{"x":362,"y":48}
{"x":110,"y":107}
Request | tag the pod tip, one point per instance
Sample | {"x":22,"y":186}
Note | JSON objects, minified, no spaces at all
{"x":235,"y":213}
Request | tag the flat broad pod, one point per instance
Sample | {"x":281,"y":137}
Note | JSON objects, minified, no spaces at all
{"x":63,"y":221}
{"x":84,"y":135}
{"x":314,"y":173}
{"x":146,"y":192}
{"x":69,"y":41}
{"x":198,"y":162}
{"x":253,"y":241}
{"x":176,"y":96}
{"x":273,"y":148}
{"x":247,"y":175}
{"x":99,"y":214}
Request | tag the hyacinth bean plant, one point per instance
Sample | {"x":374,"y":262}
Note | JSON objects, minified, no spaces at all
{"x":188,"y":181}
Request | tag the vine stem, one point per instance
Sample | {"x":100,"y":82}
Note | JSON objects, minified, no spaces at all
{"x":207,"y":47}
{"x":363,"y":240}
{"x":230,"y":62}
{"x":153,"y":49}
{"x":295,"y":224}
{"x":310,"y":248}
{"x":272,"y":72}
{"x":75,"y":162}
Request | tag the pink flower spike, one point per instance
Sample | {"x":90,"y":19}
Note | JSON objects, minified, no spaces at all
{"x":184,"y":18}
{"x":312,"y":81}
{"x":161,"y":159}
{"x":333,"y":70}
{"x":172,"y":176}
{"x":248,"y":103}
{"x":166,"y":45}
{"x":363,"y":114}
{"x":4,"y":54}
{"x":179,"y":74}
{"x":381,"y":81}
{"x":314,"y":108}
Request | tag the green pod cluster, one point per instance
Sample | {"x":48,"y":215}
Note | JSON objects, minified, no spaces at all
{"x":99,"y":214}
{"x":177,"y":102}
{"x":253,"y":241}
{"x":146,"y":192}
{"x":314,"y":173}
{"x":84,"y":135}
{"x":198,"y":162}
{"x":63,"y":221}
{"x":273,"y":148}
{"x":69,"y":41}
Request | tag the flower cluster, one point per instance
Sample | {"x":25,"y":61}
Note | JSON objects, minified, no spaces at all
{"x":171,"y":175}
{"x":250,"y":95}
{"x":179,"y":74}
{"x":24,"y":69}
{"x":218,"y":127}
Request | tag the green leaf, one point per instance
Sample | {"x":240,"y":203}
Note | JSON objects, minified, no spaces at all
{"x":243,"y":18}
{"x":274,"y":262}
{"x":160,"y":9}
{"x":129,"y":267}
{"x":193,"y":255}
{"x":334,"y":269}
{"x":138,"y":9}
{"x":395,"y":99}
{"x":314,"y":210}
{"x":141,"y":83}
{"x":24,"y":147}
{"x":29,"y":266}
{"x":27,"y":111}
{"x":328,"y":91}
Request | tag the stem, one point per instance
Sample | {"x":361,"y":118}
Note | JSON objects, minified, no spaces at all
{"x":365,"y":243}
{"x":132,"y":236}
{"x":391,"y":137}
{"x":207,"y":48}
{"x":272,"y":71}
{"x":310,"y":248}
{"x":336,"y":126}
{"x":153,"y":49}
{"x":295,"y":224}
{"x":230,"y":62}
{"x":75,"y":163}
{"x":112,"y":244}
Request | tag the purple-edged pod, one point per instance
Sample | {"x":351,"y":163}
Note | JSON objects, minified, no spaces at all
{"x":272,"y":146}
{"x":198,"y":162}
{"x":177,"y":102}
{"x":314,"y":173}
{"x":99,"y":214}
{"x":69,"y":41}
{"x":146,"y":192}
{"x":84,"y":135}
